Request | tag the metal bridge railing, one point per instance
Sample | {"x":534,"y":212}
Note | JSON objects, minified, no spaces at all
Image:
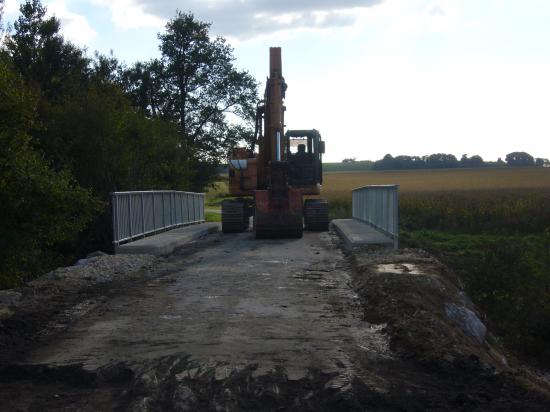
{"x":379,"y":207}
{"x":139,"y":214}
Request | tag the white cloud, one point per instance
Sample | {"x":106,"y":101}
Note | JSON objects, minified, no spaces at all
{"x":128,"y":14}
{"x":75,"y":27}
{"x":11,"y":7}
{"x":239,"y":18}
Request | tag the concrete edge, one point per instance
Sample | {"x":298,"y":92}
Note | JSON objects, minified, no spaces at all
{"x":348,"y":244}
{"x":353,"y":244}
{"x":165,"y":243}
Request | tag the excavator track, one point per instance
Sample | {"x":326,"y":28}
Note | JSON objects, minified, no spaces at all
{"x":316,"y":214}
{"x":234,"y":216}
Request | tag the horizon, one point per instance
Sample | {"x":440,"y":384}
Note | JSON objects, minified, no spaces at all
{"x":374,"y":76}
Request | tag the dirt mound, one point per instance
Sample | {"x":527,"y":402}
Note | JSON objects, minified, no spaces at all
{"x":48,"y":304}
{"x":433,"y":324}
{"x":428,"y":315}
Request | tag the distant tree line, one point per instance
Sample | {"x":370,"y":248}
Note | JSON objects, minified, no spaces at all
{"x":446,"y":161}
{"x":74,"y":128}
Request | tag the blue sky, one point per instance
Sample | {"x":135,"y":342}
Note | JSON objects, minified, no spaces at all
{"x":374,"y":76}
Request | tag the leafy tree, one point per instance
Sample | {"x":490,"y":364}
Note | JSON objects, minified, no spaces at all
{"x":88,"y":126}
{"x":540,"y":162}
{"x":205,"y":83}
{"x":440,"y":161}
{"x":399,"y":163}
{"x":196,"y":85}
{"x":38,"y":206}
{"x":474,"y":161}
{"x":128,"y":152}
{"x":143,"y":84}
{"x":520,"y":159}
{"x":40,"y":53}
{"x":385,"y":163}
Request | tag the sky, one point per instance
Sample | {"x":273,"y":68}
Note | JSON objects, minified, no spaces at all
{"x":374,"y":77}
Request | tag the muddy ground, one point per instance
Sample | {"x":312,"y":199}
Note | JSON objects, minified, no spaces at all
{"x":236,"y":324}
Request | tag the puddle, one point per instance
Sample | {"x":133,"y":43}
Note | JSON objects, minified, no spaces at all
{"x":400,"y":269}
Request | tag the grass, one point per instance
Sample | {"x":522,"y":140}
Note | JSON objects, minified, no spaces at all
{"x":213,"y":217}
{"x":507,"y":276}
{"x":216,"y":194}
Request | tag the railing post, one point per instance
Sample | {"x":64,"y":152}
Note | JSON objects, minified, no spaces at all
{"x":142,"y":215}
{"x":163,"y":214}
{"x":154,"y":213}
{"x":115,"y":218}
{"x":396,"y":218}
{"x":130,"y":214}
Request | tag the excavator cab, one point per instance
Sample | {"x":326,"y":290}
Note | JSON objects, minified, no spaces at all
{"x":305,"y":156}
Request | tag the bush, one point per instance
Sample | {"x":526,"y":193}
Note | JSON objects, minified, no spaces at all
{"x":508,"y":277}
{"x":38,"y":206}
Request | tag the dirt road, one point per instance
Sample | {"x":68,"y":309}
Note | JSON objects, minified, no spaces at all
{"x":233,"y":323}
{"x":281,"y":303}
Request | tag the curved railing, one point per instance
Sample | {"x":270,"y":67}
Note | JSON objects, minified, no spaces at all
{"x":141,"y":214}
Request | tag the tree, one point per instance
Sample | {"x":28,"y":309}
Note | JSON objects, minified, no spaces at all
{"x":40,"y":53}
{"x":441,"y":161}
{"x":541,"y":162}
{"x":474,"y":161}
{"x":520,"y":159}
{"x":196,"y":85}
{"x":87,"y":125}
{"x":205,"y":85}
{"x":143,"y":84}
{"x":38,"y":206}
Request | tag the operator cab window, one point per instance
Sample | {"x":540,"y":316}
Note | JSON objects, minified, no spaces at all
{"x":295,"y":145}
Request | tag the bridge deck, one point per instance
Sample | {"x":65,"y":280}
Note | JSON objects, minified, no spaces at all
{"x":166,"y":242}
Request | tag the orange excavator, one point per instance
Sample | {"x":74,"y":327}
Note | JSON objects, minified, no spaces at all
{"x":271,"y":183}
